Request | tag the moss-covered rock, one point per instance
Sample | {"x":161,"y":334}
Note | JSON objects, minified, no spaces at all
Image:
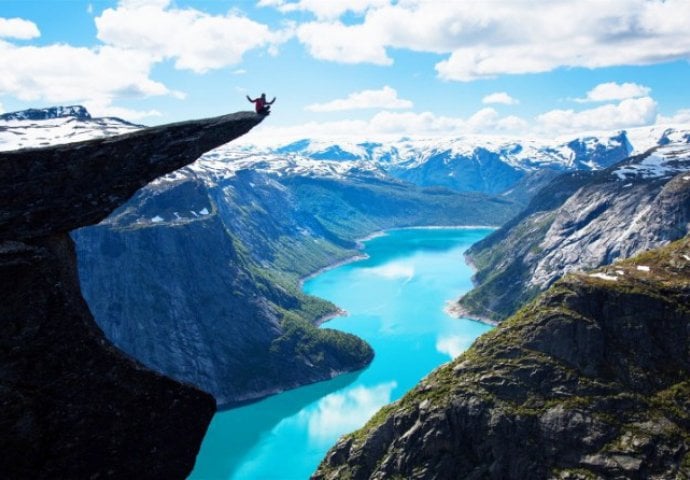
{"x":590,"y":380}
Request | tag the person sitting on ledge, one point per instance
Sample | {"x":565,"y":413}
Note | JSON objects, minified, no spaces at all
{"x":262,"y":106}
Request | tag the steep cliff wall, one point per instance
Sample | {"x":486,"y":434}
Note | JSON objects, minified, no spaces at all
{"x":582,"y":220}
{"x":72,"y":405}
{"x":589,"y":381}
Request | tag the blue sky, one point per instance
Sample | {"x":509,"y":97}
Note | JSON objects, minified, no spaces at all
{"x":356,"y":66}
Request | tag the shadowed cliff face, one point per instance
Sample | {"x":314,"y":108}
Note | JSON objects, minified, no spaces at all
{"x":72,"y":405}
{"x":589,"y":381}
{"x":56,"y":189}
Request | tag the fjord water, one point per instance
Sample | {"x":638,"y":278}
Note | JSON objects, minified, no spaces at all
{"x":395,"y":301}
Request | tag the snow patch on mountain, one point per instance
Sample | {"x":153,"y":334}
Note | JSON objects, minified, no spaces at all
{"x":665,"y":161}
{"x":76,"y":111}
{"x":17,"y":132}
{"x":488,"y":163}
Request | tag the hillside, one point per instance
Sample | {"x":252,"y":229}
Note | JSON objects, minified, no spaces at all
{"x":582,"y":220}
{"x":589,"y":381}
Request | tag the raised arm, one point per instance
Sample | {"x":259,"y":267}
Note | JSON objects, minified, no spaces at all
{"x":253,"y":101}
{"x":271,"y":102}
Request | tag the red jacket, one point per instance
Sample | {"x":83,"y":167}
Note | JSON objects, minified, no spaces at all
{"x":259,"y":104}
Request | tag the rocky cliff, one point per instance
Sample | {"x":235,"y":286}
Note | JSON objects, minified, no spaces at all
{"x":73,"y":406}
{"x":589,"y":381}
{"x":227,"y":322}
{"x":582,"y":220}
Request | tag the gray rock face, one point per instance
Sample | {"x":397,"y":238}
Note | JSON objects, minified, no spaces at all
{"x":73,"y":406}
{"x":591,"y":380}
{"x":580,"y":221}
{"x":184,"y":301}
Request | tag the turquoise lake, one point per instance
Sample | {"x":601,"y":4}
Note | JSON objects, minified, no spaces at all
{"x":395,"y":301}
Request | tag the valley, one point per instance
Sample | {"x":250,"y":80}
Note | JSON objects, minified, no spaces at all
{"x":394,"y":301}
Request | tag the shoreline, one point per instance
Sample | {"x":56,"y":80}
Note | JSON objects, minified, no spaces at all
{"x":453,"y":309}
{"x":328,"y":317}
{"x":449,"y":308}
{"x":339,"y":263}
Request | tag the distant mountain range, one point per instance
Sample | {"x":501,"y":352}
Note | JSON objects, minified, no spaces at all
{"x":494,"y":165}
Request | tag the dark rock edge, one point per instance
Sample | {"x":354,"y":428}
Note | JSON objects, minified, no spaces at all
{"x":72,"y":405}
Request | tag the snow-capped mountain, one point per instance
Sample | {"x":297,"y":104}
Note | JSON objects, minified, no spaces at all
{"x":49,"y":126}
{"x":76,"y":111}
{"x":665,"y":161}
{"x":489,"y":164}
{"x":495,"y":165}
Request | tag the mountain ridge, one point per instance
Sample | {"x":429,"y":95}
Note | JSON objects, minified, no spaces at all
{"x":581,"y":220}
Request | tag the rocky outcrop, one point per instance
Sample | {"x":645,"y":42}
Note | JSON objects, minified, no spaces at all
{"x":72,"y":405}
{"x":49,"y":190}
{"x":590,"y":381}
{"x":581,"y":220}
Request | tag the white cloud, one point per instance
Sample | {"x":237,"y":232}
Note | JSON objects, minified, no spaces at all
{"x":339,"y":413}
{"x":103,"y":108}
{"x":329,"y":9}
{"x":137,"y":34}
{"x":386,"y":97}
{"x":65,"y":74}
{"x":61,"y":72}
{"x":500,"y":97}
{"x":18,"y":28}
{"x":388,"y":124}
{"x":2,"y":109}
{"x":453,"y":345}
{"x":605,"y":92}
{"x":681,"y":116}
{"x":488,"y":120}
{"x":195,"y":40}
{"x":344,"y":44}
{"x":393,"y":271}
{"x":486,"y":39}
{"x":632,"y":112}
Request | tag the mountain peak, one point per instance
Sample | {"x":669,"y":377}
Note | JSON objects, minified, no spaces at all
{"x":76,"y":111}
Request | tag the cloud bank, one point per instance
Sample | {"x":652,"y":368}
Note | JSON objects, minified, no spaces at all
{"x":386,"y":98}
{"x":487,"y":39}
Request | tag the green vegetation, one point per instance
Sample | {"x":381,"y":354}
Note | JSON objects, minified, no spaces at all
{"x":571,"y":377}
{"x":502,"y":274}
{"x":319,"y":346}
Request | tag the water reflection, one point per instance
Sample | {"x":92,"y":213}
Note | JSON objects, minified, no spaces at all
{"x":454,"y":344}
{"x":235,"y":433}
{"x":393,"y":271}
{"x":340,"y":413}
{"x":395,"y":299}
